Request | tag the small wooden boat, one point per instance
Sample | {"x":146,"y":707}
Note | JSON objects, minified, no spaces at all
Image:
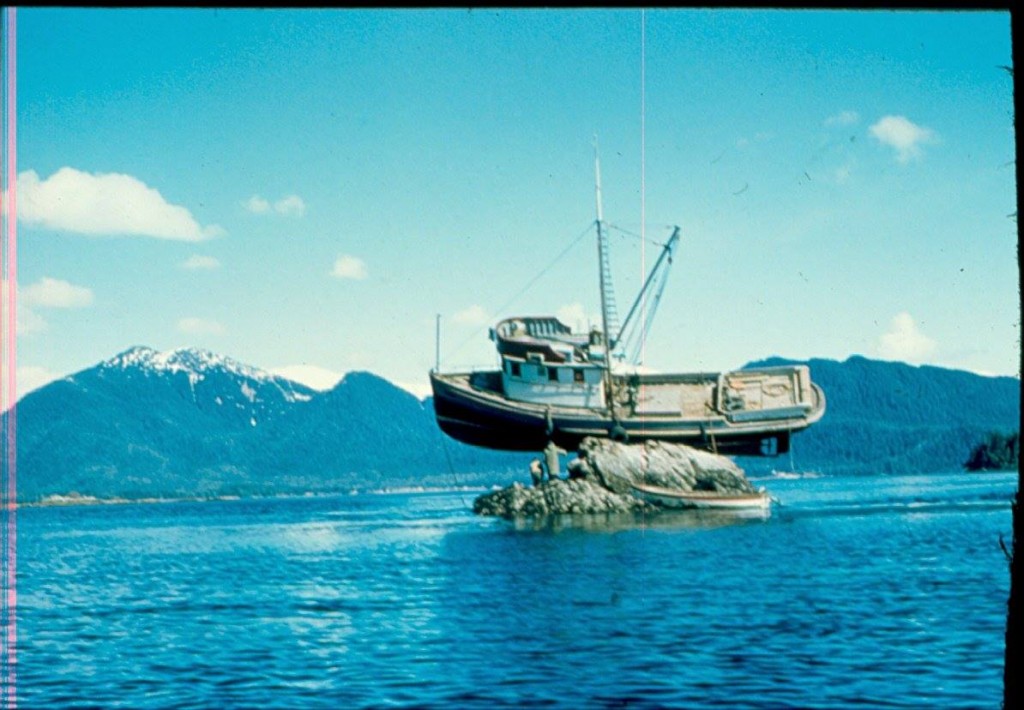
{"x":673,"y":498}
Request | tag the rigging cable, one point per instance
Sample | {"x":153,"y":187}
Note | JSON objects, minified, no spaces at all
{"x":643,"y":168}
{"x":643,"y":162}
{"x":524,"y":289}
{"x":628,"y":233}
{"x":635,"y":339}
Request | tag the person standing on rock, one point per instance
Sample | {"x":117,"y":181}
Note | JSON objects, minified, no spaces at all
{"x":551,"y":453}
{"x":536,"y":471}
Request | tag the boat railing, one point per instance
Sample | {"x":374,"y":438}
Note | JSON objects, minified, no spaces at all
{"x":464,"y":369}
{"x":652,"y":378}
{"x":546,"y":327}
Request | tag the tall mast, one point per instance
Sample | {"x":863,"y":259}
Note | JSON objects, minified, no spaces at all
{"x":608,"y":312}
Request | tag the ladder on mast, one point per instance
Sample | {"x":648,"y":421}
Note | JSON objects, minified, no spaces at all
{"x":609,"y":311}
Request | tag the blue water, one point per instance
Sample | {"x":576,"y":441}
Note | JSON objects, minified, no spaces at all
{"x":879,"y":592}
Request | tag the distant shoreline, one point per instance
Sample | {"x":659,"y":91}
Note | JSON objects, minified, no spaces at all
{"x":75,"y":500}
{"x":70,"y":500}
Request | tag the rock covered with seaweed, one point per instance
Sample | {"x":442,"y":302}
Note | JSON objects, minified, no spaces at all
{"x":555,"y":497}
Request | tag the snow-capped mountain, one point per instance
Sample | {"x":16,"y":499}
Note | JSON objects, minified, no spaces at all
{"x":190,"y":422}
{"x":196,"y":363}
{"x":213,"y":383}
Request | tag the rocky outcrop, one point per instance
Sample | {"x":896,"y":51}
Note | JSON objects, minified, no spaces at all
{"x":656,"y":463}
{"x":599,"y":480}
{"x":555,"y":497}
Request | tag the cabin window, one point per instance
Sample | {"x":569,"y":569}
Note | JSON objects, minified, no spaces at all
{"x":553,"y":374}
{"x":577,"y":376}
{"x":514,"y":368}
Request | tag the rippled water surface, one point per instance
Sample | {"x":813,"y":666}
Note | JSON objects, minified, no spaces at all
{"x":880,"y":592}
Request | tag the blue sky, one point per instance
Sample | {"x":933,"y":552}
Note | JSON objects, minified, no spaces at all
{"x":305,"y":190}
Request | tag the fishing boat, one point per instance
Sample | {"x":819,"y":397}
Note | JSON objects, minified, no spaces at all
{"x":704,"y":500}
{"x":554,"y":385}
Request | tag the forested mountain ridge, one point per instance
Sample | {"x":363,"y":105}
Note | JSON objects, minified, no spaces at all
{"x":190,"y":423}
{"x":891,"y":417}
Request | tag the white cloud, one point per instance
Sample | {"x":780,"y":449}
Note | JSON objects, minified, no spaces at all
{"x":905,"y":341}
{"x":843,"y":118}
{"x":576,"y":317}
{"x":744,"y":142}
{"x":28,"y":321}
{"x":319,"y":378}
{"x":474,"y":315}
{"x":323,"y":379}
{"x":903,"y":135}
{"x":291,"y":205}
{"x":196,"y":261}
{"x":32,"y":377}
{"x":256,"y":204}
{"x":418,"y":389}
{"x":349,"y":267}
{"x":200,"y":326}
{"x":55,"y":293}
{"x":46,"y":293}
{"x":841,"y":174}
{"x":104,"y":203}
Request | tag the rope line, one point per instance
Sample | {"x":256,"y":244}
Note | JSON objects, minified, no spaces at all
{"x":523,"y":290}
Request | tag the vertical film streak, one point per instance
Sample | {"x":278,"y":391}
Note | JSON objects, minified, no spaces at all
{"x":8,"y":363}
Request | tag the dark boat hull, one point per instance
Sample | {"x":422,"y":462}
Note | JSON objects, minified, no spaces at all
{"x":471,"y":409}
